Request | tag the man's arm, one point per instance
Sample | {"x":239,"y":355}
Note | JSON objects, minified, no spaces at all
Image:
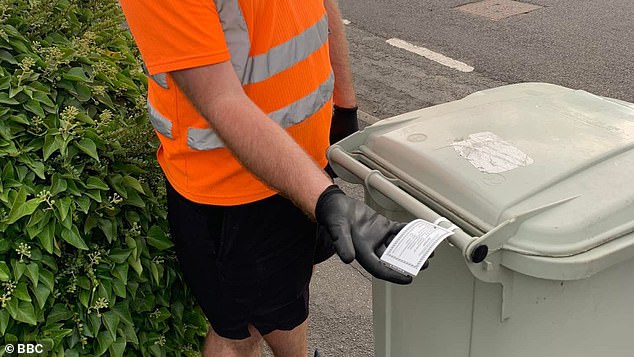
{"x":344,"y":94}
{"x":260,"y":144}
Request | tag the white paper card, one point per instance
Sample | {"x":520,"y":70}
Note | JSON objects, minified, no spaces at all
{"x":413,"y":245}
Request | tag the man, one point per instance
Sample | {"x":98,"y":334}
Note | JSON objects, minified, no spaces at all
{"x":241,"y":98}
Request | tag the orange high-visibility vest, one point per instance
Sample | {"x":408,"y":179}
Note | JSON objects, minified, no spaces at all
{"x":279,"y":51}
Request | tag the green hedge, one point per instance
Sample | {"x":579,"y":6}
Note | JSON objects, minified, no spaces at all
{"x":86,"y":266}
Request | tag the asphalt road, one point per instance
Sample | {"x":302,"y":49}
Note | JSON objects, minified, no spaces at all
{"x":583,"y":44}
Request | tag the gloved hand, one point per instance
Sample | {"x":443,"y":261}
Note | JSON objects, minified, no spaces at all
{"x":357,"y":232}
{"x":344,"y":122}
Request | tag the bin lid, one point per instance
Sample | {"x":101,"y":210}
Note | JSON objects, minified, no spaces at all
{"x":500,"y":152}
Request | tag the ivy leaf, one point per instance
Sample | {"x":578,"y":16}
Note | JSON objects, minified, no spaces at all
{"x":4,"y":321}
{"x":109,"y":229}
{"x":158,"y":239}
{"x":5,"y":273}
{"x":20,"y":207}
{"x":26,"y":313}
{"x":7,"y":57}
{"x":88,"y":147}
{"x":34,"y":107}
{"x":119,"y":289}
{"x":47,"y":278}
{"x":21,"y":292}
{"x":119,"y":255}
{"x":76,"y":74}
{"x":41,"y":294}
{"x":51,"y":144}
{"x":4,"y":99}
{"x":59,"y":312}
{"x":58,"y":184}
{"x":105,"y":341}
{"x":111,"y":321}
{"x":96,"y":183}
{"x":118,"y":348}
{"x":47,"y":237}
{"x":133,"y":183}
{"x":123,"y":311}
{"x":63,"y":207}
{"x":32,"y":272}
{"x":72,"y":236}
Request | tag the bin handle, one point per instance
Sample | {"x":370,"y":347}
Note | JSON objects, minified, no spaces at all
{"x":373,"y":179}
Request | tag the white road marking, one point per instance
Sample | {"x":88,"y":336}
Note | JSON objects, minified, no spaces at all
{"x":346,"y":22}
{"x":431,"y":55}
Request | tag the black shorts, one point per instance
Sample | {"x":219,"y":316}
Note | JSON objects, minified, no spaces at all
{"x":245,"y":264}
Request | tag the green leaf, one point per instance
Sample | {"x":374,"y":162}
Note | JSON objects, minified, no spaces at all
{"x":84,"y":298}
{"x":4,"y":321}
{"x":17,"y":207}
{"x":47,"y":278}
{"x":47,"y":237}
{"x":133,"y":183}
{"x":123,"y":311}
{"x":134,"y":200}
{"x":94,"y":194}
{"x":34,"y":107}
{"x":119,"y":288}
{"x":95,"y":323}
{"x":96,"y":183}
{"x":108,"y":229}
{"x":43,"y":98}
{"x":32,"y":272}
{"x":88,"y":147}
{"x":120,"y":272}
{"x":63,"y":207}
{"x":21,"y":292}
{"x":7,"y":57}
{"x":59,"y":312}
{"x":117,"y":349}
{"x":76,"y":74}
{"x":41,"y":294}
{"x":4,"y":99}
{"x":136,"y":265}
{"x":26,"y":313}
{"x":58,"y":184}
{"x":5,"y":273}
{"x":158,"y":239}
{"x":83,"y":92}
{"x":119,"y":255}
{"x":18,"y":269}
{"x":51,"y":144}
{"x":72,"y":236}
{"x":83,"y":203}
{"x":111,"y":321}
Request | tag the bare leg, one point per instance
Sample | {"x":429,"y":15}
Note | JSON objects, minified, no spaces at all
{"x":291,"y":343}
{"x":216,"y":345}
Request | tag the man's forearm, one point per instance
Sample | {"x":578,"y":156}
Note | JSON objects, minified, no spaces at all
{"x":259,"y":143}
{"x":344,"y":95}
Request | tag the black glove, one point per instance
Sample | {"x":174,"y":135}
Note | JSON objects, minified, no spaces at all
{"x":344,"y":122}
{"x":357,"y":232}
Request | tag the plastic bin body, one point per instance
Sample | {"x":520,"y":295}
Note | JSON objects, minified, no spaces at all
{"x":559,"y":280}
{"x":447,"y":312}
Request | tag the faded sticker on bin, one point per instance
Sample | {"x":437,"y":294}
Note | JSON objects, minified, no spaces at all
{"x":490,"y":154}
{"x":413,"y":245}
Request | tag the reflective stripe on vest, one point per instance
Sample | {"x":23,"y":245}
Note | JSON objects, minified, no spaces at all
{"x":159,"y":78}
{"x":253,"y":69}
{"x":159,"y":122}
{"x":296,"y":112}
